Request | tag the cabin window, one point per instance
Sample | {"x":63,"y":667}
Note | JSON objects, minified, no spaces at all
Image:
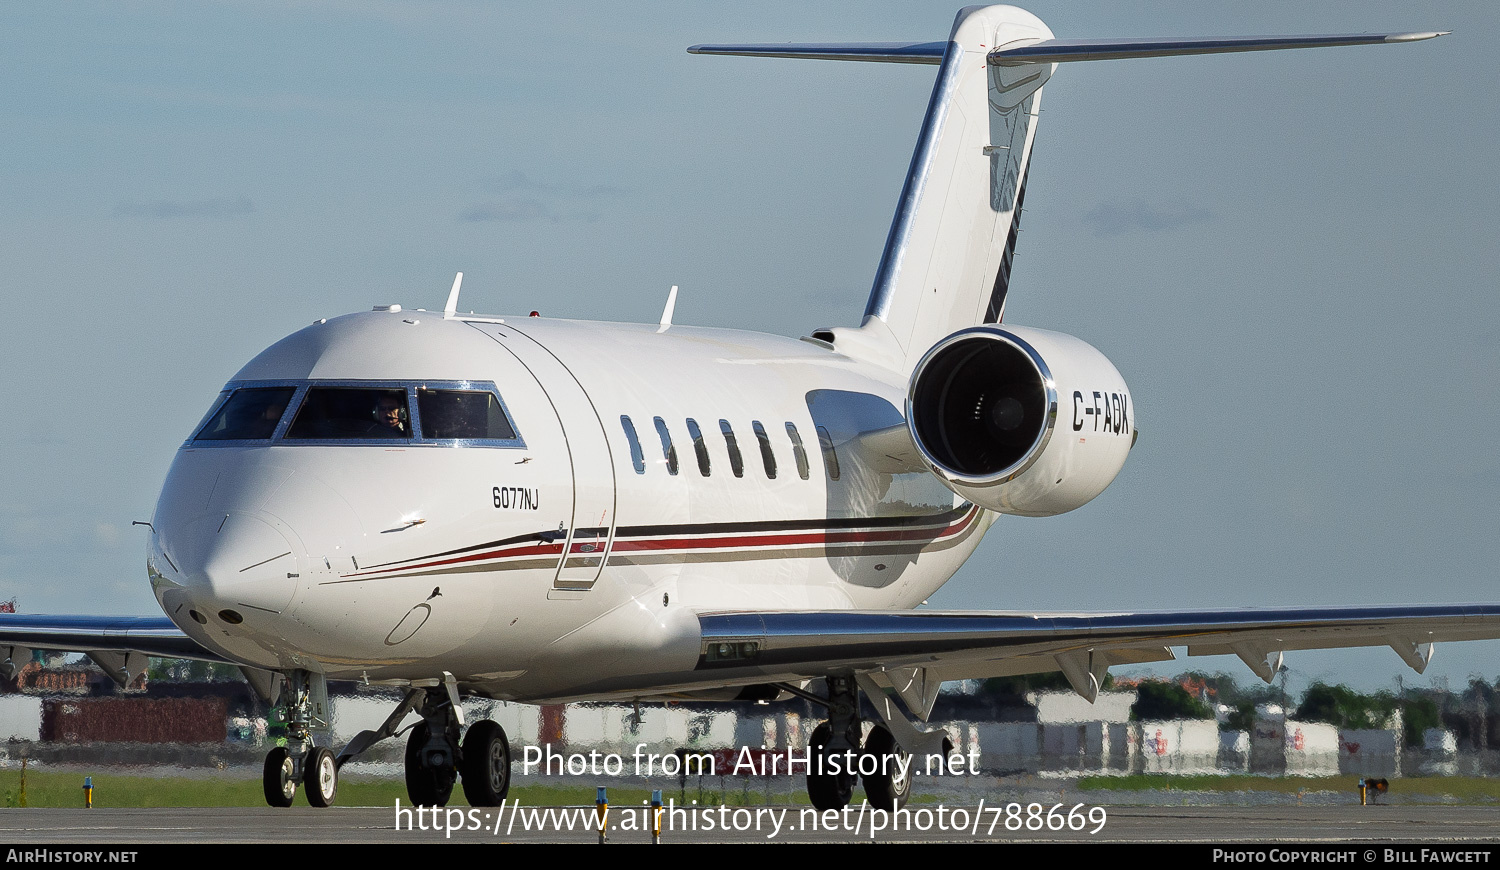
{"x":463,"y":414}
{"x":637,"y":458}
{"x":799,"y":453}
{"x":250,"y":414}
{"x":736,"y":462}
{"x":668,"y":452}
{"x":830,"y":458}
{"x":352,"y":413}
{"x":767,"y":457}
{"x":700,"y":447}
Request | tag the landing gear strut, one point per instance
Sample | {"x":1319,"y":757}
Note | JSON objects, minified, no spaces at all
{"x":830,"y":784}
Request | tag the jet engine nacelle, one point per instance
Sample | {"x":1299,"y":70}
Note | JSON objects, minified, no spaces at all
{"x":1020,"y":421}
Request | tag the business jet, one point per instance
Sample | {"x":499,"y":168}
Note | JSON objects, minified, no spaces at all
{"x":544,"y":510}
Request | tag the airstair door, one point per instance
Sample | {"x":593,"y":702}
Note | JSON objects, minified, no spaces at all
{"x":591,"y":533}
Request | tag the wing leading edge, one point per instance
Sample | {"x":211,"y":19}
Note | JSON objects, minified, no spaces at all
{"x":117,"y":634}
{"x":788,"y":645}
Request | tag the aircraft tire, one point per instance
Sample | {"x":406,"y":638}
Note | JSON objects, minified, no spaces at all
{"x":321,"y":777}
{"x":486,"y":764}
{"x":280,"y":787}
{"x":827,"y":791}
{"x":426,"y":786}
{"x":888,"y":788}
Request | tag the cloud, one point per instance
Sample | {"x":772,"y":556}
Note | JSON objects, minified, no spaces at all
{"x":511,"y":210}
{"x":1118,"y":218}
{"x":518,"y":182}
{"x":200,"y":208}
{"x":106,"y":534}
{"x":516,"y":197}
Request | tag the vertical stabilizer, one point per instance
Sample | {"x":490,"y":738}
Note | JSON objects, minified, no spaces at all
{"x":947,"y":260}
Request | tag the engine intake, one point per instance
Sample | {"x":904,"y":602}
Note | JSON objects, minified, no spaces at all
{"x":980,"y":404}
{"x":983,"y":408}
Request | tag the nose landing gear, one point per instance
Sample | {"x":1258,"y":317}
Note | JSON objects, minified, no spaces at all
{"x":300,"y":761}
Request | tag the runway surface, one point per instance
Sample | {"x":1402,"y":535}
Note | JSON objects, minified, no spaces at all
{"x":1374,"y":824}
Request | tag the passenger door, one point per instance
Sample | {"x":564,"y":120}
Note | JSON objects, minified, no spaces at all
{"x":591,"y":532}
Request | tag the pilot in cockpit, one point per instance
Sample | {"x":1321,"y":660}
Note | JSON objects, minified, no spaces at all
{"x":390,"y":418}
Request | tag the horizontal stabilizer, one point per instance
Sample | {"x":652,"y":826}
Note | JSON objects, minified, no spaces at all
{"x":878,"y":52}
{"x":1067,"y":50}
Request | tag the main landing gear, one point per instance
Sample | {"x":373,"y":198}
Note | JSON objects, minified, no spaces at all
{"x":435,"y":757}
{"x":839,"y":761}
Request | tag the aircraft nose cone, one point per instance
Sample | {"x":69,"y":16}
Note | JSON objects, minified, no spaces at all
{"x":235,"y":559}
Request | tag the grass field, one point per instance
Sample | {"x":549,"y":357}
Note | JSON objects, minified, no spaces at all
{"x":55,"y":789}
{"x":1461,"y":789}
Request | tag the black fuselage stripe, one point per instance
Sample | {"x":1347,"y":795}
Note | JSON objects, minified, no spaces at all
{"x":685,"y":529}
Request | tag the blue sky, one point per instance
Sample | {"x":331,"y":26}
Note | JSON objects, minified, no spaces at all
{"x":1291,"y":257}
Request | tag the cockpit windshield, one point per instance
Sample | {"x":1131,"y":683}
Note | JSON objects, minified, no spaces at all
{"x":436,"y":414}
{"x":466,"y":414}
{"x":350,"y":412}
{"x":249,"y":414}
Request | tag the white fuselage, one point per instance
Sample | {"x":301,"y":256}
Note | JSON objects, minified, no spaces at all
{"x":569,"y":562}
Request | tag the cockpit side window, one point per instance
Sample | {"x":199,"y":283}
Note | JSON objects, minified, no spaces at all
{"x":352,"y":412}
{"x":463,"y":414}
{"x":250,"y":414}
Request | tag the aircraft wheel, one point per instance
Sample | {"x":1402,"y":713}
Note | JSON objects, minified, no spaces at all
{"x":321,"y":776}
{"x":486,"y":764}
{"x":827,"y":791}
{"x":280,"y":786}
{"x":426,"y":786}
{"x":889,"y":787}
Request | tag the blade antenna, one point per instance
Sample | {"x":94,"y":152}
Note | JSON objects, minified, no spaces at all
{"x":666,"y":313}
{"x":451,"y":307}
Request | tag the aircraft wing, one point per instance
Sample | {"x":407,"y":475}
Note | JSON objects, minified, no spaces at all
{"x":122,"y":635}
{"x":915,"y":651}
